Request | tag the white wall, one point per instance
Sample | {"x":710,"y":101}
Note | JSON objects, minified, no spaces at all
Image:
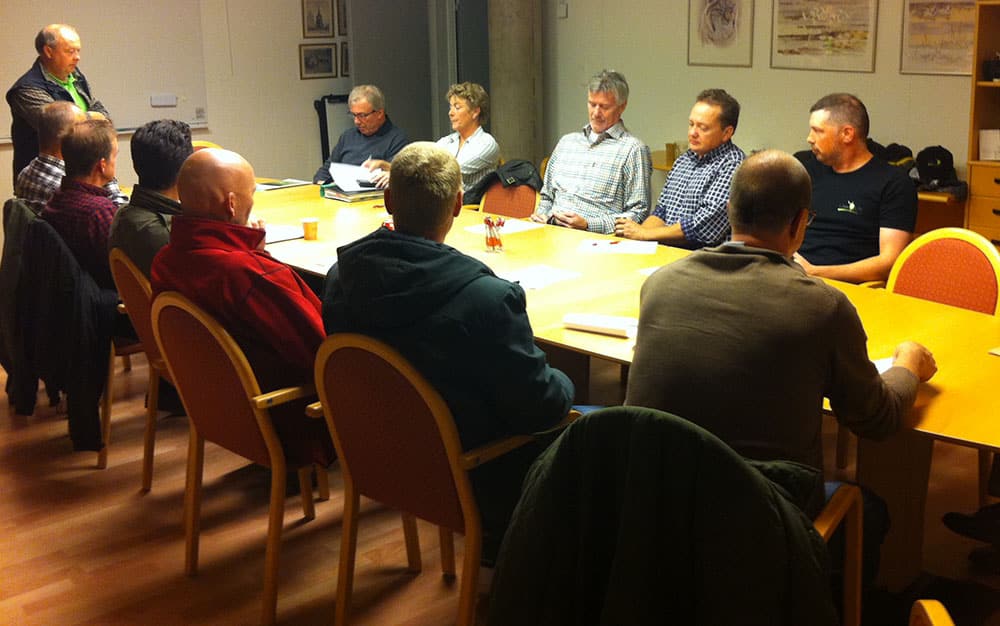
{"x":257,"y":105}
{"x":647,"y":41}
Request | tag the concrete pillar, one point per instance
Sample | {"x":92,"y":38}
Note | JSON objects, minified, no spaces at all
{"x":516,"y":77}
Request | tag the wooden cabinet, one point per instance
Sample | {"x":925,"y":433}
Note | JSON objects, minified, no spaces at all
{"x":983,"y":208}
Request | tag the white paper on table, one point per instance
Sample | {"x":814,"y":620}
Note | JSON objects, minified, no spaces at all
{"x":649,"y":271}
{"x":883,"y":365}
{"x":509,"y":227}
{"x":614,"y":325}
{"x":616,"y":246}
{"x":539,"y":276}
{"x":281,"y":184}
{"x":322,"y":266}
{"x":347,"y":177}
{"x":281,"y":232}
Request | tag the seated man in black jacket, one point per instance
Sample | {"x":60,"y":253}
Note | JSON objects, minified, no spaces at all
{"x":460,"y":325}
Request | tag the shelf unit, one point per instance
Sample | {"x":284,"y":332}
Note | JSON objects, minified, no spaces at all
{"x":983,"y":209}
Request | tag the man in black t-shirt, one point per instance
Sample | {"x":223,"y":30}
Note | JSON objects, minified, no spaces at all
{"x":865,"y":209}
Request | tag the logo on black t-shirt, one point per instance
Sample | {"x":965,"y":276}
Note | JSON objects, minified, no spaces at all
{"x":850,"y":207}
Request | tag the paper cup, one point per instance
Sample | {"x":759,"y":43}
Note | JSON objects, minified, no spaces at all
{"x":310,"y":228}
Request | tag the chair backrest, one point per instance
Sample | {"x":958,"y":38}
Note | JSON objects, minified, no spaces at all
{"x":951,"y":266}
{"x":135,"y":292}
{"x":201,"y":144}
{"x":395,"y":436}
{"x":929,"y":613}
{"x":214,"y":379}
{"x":513,"y":201}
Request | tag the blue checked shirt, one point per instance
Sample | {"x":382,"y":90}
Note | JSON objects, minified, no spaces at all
{"x":600,"y":178}
{"x":696,"y":193}
{"x":477,"y":158}
{"x":42,"y":177}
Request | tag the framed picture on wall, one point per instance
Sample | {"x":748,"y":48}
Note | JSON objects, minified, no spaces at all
{"x":938,"y":37}
{"x":317,"y":60}
{"x":836,"y":35}
{"x":345,"y":60}
{"x":342,"y":17}
{"x":720,"y":32}
{"x":317,"y":18}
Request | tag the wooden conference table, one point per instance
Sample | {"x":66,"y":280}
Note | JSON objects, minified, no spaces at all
{"x":958,"y":405}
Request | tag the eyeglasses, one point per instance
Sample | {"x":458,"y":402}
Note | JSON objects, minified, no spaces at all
{"x":362,"y":116}
{"x":812,"y":216}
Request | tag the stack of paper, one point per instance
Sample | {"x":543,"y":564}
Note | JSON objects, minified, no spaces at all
{"x":614,"y":325}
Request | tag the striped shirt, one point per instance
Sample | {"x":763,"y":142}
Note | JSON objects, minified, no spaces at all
{"x":599,"y":177}
{"x":696,"y":193}
{"x":477,"y":157}
{"x":41,"y":178}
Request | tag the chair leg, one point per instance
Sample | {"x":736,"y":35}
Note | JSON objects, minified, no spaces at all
{"x":843,"y":443}
{"x":322,"y":483}
{"x":306,"y":492}
{"x":102,"y":456}
{"x":149,"y":439}
{"x":348,"y":550}
{"x":468,"y":590}
{"x":127,"y":362}
{"x":447,"y":551}
{"x":985,"y":467}
{"x":412,"y":542}
{"x":192,"y":500}
{"x":275,"y":521}
{"x":852,"y":564}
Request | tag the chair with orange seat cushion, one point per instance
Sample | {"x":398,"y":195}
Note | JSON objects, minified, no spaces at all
{"x":397,"y":443}
{"x":951,"y":266}
{"x":225,"y":405}
{"x":929,"y":613}
{"x":513,"y":201}
{"x":957,"y":267}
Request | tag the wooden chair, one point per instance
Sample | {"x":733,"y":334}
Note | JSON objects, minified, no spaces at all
{"x":513,"y":201}
{"x":225,"y":405}
{"x":201,"y":144}
{"x":929,"y":613}
{"x":845,"y":507}
{"x":957,"y":267}
{"x":125,"y":352}
{"x":397,"y":443}
{"x":541,"y":167}
{"x":137,"y":296}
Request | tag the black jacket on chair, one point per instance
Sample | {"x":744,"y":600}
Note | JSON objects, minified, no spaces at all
{"x":635,"y":516}
{"x":66,"y":322}
{"x":515,"y":172}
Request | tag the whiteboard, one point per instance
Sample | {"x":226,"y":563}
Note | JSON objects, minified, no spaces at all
{"x":131,"y":51}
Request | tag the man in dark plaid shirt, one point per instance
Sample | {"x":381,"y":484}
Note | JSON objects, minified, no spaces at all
{"x":37,"y":182}
{"x":691,"y":211}
{"x":81,"y":211}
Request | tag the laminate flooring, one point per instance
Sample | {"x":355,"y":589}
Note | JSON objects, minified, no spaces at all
{"x":81,"y":546}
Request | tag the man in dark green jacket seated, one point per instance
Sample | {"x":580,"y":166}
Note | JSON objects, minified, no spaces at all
{"x":460,"y":325}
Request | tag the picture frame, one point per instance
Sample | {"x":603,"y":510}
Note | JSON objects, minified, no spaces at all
{"x":317,"y":19}
{"x":937,"y":38}
{"x":720,"y":32}
{"x":317,"y":60}
{"x":345,"y":60}
{"x":342,"y":18}
{"x":833,"y":35}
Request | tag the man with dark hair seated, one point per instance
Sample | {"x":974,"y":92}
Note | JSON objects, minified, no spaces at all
{"x":142,"y":226}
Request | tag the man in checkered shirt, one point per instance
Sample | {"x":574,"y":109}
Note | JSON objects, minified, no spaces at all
{"x":691,"y":211}
{"x":600,"y":173}
{"x":41,"y":178}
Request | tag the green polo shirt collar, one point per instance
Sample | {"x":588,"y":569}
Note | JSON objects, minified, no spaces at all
{"x":70,"y":86}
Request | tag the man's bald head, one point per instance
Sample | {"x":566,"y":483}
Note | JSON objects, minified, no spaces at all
{"x":216,"y":184}
{"x":768,"y":191}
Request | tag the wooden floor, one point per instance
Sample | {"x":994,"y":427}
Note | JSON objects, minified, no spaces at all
{"x":83,"y":546}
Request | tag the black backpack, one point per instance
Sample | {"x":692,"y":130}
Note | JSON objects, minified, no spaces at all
{"x":936,"y":167}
